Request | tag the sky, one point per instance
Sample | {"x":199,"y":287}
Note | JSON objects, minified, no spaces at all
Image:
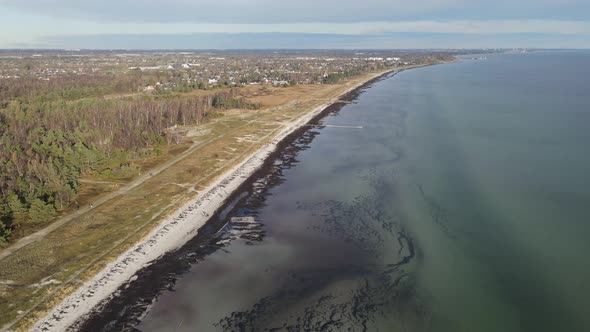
{"x":296,"y":24}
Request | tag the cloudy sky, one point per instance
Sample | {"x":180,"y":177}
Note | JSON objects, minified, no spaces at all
{"x":207,"y":24}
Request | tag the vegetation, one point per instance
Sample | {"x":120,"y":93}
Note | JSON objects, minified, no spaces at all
{"x":32,"y":89}
{"x":337,"y":77}
{"x":48,"y":142}
{"x":228,"y":100}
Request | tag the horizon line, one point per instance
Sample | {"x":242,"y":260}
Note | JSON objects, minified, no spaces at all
{"x":74,"y":49}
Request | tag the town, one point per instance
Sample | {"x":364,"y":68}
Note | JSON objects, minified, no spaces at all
{"x":158,"y":72}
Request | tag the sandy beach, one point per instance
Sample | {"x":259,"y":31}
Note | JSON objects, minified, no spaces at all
{"x":172,"y":232}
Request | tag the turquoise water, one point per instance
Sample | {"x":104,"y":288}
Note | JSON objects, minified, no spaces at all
{"x":502,"y":147}
{"x":461,"y":205}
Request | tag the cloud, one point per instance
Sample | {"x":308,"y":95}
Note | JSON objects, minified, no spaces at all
{"x":482,"y":27}
{"x":276,"y":11}
{"x":39,"y":21}
{"x":314,"y":41}
{"x":358,"y":28}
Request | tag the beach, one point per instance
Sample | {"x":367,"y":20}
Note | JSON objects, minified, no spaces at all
{"x":176,"y":229}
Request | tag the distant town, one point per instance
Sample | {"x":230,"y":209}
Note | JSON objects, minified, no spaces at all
{"x":184,"y":71}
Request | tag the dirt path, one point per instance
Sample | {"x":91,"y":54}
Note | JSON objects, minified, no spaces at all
{"x":99,"y":181}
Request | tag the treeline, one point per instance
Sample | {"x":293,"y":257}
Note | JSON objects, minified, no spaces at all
{"x":333,"y":78}
{"x":33,"y":89}
{"x":228,"y":100}
{"x":46,"y":145}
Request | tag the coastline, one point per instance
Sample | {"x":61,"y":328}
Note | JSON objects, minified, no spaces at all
{"x":182,"y":225}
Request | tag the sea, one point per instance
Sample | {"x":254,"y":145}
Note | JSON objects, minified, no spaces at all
{"x":453,"y":197}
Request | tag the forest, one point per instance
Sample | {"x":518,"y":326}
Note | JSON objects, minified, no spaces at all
{"x":51,"y":133}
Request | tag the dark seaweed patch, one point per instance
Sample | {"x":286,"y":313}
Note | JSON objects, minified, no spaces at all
{"x":380,"y":288}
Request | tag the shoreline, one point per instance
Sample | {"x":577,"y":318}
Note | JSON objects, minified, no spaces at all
{"x":181,"y":226}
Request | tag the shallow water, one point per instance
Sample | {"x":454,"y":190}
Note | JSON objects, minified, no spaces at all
{"x":461,"y":205}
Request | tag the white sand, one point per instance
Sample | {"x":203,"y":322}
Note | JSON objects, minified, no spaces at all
{"x":171,"y":234}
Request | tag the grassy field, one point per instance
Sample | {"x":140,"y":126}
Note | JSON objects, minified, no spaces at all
{"x":38,"y":275}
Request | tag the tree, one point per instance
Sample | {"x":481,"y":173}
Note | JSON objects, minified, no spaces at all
{"x":18,"y":211}
{"x":41,"y":211}
{"x":5,"y":216}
